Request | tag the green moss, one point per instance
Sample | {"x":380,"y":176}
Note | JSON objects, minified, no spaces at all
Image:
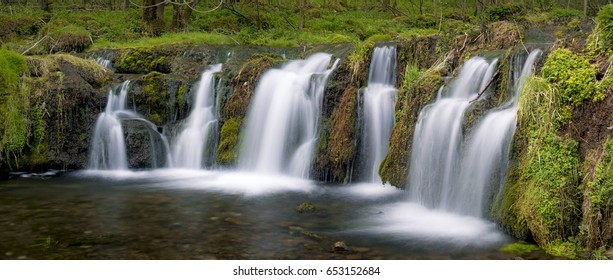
{"x":519,"y":248}
{"x":155,"y":98}
{"x":141,"y":60}
{"x":542,"y":196}
{"x":227,"y":152}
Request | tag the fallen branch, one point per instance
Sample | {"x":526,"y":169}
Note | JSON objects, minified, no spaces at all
{"x":489,"y":83}
{"x":35,"y":44}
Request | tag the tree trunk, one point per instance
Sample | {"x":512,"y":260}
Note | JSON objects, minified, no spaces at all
{"x":301,"y":22}
{"x":44,"y":4}
{"x":153,"y":16}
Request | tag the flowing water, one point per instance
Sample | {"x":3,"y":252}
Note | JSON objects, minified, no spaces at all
{"x":200,"y":214}
{"x":437,"y":140}
{"x":192,"y":143}
{"x":105,"y":62}
{"x":485,"y":161}
{"x":378,"y":110}
{"x":108,"y":148}
{"x":283,"y":118}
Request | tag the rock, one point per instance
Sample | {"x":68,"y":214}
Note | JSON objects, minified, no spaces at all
{"x":306,"y":207}
{"x":340,"y":246}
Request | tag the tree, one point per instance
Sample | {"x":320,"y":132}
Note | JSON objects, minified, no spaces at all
{"x":153,"y":16}
{"x":182,"y":11}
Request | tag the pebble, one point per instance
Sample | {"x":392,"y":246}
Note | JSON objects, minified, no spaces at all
{"x":21,"y":257}
{"x":87,"y":232}
{"x":8,"y":254}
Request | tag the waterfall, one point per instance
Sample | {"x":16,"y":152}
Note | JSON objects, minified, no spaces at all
{"x":193,"y":141}
{"x":108,"y":148}
{"x":283,"y":118}
{"x":378,"y":110}
{"x":437,"y":140}
{"x":484,"y":163}
{"x":105,"y":62}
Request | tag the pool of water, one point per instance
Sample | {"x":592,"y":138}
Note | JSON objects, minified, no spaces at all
{"x":180,"y":214}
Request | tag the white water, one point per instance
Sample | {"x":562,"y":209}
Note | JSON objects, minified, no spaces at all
{"x":438,"y":137}
{"x":108,"y":148}
{"x":104,"y":62}
{"x":484,"y":163}
{"x":283,"y":118}
{"x":378,"y":108}
{"x":192,"y":142}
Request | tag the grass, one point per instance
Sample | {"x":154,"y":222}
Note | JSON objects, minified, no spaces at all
{"x":166,"y":39}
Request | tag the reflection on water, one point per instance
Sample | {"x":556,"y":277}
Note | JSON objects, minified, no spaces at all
{"x":181,"y":214}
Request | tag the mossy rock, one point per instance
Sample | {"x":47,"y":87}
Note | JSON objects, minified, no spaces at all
{"x":227,"y":152}
{"x":153,"y":96}
{"x":142,"y":61}
{"x":69,"y":38}
{"x":306,"y":207}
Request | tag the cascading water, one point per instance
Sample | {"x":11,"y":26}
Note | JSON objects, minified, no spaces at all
{"x":282,"y":122}
{"x":378,"y":109}
{"x":484,"y":163}
{"x":191,"y":144}
{"x":104,"y":62}
{"x":438,"y":137}
{"x":108,"y":148}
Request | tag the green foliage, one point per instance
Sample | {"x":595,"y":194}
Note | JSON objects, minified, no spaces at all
{"x":227,"y":152}
{"x":13,"y":106}
{"x":602,"y":37}
{"x":601,"y":195}
{"x":519,"y":248}
{"x":572,"y":74}
{"x":569,"y":249}
{"x":504,"y":12}
{"x":564,"y":14}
